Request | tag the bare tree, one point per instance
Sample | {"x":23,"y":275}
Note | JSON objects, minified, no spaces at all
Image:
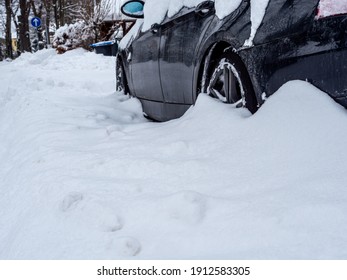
{"x":93,"y":14}
{"x":14,"y":12}
{"x":23,"y":22}
{"x":8,"y":30}
{"x":48,"y":7}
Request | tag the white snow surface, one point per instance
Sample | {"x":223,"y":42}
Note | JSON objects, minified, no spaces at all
{"x":258,"y":9}
{"x":225,"y":7}
{"x":331,"y":7}
{"x":83,"y":175}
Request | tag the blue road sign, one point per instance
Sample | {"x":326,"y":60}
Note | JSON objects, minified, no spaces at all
{"x":36,"y":22}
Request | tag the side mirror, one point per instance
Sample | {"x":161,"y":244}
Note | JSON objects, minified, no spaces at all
{"x":205,"y":8}
{"x":133,"y":8}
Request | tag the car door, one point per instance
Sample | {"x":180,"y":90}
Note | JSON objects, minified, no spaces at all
{"x":180,"y":37}
{"x":143,"y":59}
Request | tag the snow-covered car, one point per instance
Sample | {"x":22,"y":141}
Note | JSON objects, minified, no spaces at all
{"x":238,"y":51}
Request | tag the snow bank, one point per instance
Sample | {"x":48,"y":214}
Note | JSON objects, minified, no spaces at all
{"x":84,"y":176}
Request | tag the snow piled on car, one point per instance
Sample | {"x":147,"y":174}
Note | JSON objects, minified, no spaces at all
{"x":258,"y":8}
{"x":83,"y":175}
{"x":332,"y":7}
{"x":155,"y":11}
{"x":225,"y":8}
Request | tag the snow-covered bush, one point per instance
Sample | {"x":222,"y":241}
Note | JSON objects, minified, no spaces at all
{"x":72,"y":36}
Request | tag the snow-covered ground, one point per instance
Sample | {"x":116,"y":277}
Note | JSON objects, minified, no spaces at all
{"x":84,"y":176}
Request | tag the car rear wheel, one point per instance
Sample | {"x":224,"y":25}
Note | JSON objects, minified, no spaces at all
{"x":229,"y":82}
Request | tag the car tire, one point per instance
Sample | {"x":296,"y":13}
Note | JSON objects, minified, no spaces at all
{"x":121,"y":81}
{"x":228,"y":80}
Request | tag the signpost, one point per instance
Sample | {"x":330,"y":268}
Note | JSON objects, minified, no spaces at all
{"x":36,"y":22}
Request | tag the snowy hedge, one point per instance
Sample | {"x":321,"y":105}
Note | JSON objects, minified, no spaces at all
{"x":69,"y":37}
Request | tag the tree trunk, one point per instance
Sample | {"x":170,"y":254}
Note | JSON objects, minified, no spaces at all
{"x":23,"y":21}
{"x":61,"y":13}
{"x":48,"y":7}
{"x":56,"y":15}
{"x":9,"y":50}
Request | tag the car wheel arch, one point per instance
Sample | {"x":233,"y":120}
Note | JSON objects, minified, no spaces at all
{"x":209,"y":58}
{"x":203,"y":60}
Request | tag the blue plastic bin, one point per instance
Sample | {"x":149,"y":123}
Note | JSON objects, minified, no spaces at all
{"x":108,"y":48}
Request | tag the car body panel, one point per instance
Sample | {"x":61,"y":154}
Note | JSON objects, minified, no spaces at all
{"x":143,"y":58}
{"x":284,"y":18}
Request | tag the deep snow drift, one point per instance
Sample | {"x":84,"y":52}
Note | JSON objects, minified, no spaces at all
{"x":84,"y":176}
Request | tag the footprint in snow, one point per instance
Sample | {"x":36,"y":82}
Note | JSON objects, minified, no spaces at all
{"x":187,"y":206}
{"x":99,"y":217}
{"x":125,"y":246}
{"x":115,"y":129}
{"x":91,"y":214}
{"x":71,"y":201}
{"x":110,"y":223}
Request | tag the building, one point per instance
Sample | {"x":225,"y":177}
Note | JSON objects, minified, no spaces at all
{"x":14,"y":44}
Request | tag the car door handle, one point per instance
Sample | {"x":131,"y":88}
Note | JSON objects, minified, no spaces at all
{"x":155,"y":28}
